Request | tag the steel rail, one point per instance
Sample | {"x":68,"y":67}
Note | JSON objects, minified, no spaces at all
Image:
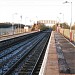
{"x":7,"y":72}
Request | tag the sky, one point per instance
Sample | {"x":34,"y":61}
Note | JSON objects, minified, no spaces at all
{"x":33,"y":10}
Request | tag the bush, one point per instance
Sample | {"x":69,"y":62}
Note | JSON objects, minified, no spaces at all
{"x":43,"y":27}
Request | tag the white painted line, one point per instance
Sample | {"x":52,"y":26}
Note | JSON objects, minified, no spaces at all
{"x":42,"y":70}
{"x":70,"y":42}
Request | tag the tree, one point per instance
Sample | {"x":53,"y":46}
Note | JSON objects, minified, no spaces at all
{"x":62,"y":25}
{"x":39,"y":26}
{"x":42,"y":26}
{"x":54,"y":27}
{"x":73,"y":27}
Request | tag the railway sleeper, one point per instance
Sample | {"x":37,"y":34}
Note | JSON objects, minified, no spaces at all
{"x":24,"y":73}
{"x":29,"y":64}
{"x":25,"y":69}
{"x":28,"y":67}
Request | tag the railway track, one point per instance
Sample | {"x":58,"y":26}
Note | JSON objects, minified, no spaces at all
{"x":15,"y":40}
{"x":23,"y":57}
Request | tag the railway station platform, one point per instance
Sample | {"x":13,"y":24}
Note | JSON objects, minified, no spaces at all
{"x":5,"y":37}
{"x":59,"y":58}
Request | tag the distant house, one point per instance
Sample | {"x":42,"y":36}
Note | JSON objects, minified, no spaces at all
{"x":27,"y":28}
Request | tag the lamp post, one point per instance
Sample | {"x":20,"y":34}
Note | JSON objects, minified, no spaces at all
{"x":36,"y":19}
{"x":13,"y":23}
{"x":62,"y":22}
{"x":71,"y":20}
{"x":25,"y":20}
{"x":58,"y":26}
{"x":20,"y":23}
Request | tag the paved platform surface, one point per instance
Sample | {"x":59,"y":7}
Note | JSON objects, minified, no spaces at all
{"x":52,"y":59}
{"x":52,"y":65}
